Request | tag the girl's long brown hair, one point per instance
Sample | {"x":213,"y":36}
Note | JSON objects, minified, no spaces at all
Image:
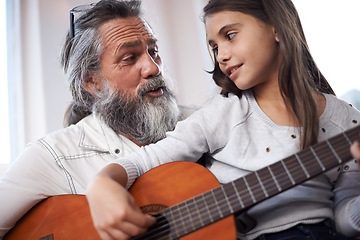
{"x":298,"y":74}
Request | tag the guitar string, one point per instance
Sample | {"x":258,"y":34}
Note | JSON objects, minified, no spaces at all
{"x":255,"y":188}
{"x":220,"y":202}
{"x":313,"y":163}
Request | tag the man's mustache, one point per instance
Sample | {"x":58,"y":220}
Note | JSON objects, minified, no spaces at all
{"x":154,"y":83}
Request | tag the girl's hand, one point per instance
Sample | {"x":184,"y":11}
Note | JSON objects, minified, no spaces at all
{"x":114,"y":211}
{"x":355,"y":151}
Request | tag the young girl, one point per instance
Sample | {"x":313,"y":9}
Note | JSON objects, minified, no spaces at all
{"x":274,"y":102}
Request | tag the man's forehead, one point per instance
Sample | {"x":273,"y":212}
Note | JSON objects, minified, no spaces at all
{"x":126,"y":30}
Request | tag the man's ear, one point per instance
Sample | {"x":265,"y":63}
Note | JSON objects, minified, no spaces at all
{"x":92,"y":81}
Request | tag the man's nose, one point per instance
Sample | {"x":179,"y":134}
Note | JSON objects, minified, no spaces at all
{"x":150,"y":67}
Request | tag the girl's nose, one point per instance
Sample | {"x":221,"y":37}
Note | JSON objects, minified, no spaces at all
{"x":223,"y":54}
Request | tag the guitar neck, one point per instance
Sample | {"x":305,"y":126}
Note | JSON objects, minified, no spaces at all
{"x":198,"y":212}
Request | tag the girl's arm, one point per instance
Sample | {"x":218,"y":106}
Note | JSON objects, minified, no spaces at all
{"x":114,"y":211}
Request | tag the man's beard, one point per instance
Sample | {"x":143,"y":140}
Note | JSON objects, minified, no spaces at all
{"x":144,"y":119}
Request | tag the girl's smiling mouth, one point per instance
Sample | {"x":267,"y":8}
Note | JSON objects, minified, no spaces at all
{"x":232,"y":71}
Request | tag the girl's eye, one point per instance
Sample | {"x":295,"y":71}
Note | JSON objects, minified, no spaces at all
{"x":230,"y":35}
{"x":215,"y":51}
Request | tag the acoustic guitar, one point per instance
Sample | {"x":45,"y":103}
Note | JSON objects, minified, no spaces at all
{"x":186,"y":198}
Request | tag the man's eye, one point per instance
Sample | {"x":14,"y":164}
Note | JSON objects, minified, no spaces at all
{"x":154,"y":53}
{"x":129,"y":58}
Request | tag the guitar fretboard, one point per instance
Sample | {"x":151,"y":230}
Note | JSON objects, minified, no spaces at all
{"x":193,"y":214}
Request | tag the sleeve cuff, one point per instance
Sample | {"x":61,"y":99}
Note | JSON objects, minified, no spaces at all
{"x":131,"y":171}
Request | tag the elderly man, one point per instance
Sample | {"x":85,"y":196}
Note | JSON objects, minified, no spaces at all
{"x":120,"y":102}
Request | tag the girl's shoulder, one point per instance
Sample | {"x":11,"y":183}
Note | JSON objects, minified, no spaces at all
{"x":339,"y":112}
{"x":222,"y":110}
{"x":229,"y":105}
{"x":335,"y":104}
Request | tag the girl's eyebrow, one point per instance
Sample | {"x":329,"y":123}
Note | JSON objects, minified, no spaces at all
{"x":223,"y":30}
{"x":226,"y":27}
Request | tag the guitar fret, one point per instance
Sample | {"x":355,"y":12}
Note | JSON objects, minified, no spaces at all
{"x":288,"y":173}
{"x":302,"y":166}
{"x":232,"y":194}
{"x":245,"y":195}
{"x":172,"y":220}
{"x":334,"y":152}
{"x":312,"y":167}
{"x":226,"y":198}
{"x":273,"y":177}
{"x":292,"y":164}
{"x":248,"y":187}
{"x":347,"y":139}
{"x":255,"y":186}
{"x":207,"y":209}
{"x":220,"y":199}
{"x":217,"y":205}
{"x":317,"y":159}
{"x":262,"y":185}
{"x":198,"y":213}
{"x":213,"y":208}
{"x":267,"y":181}
{"x":191,"y":219}
{"x":205,"y":215}
{"x":238,"y":195}
{"x":181,"y":220}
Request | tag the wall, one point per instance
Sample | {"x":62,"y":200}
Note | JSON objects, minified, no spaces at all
{"x":39,"y":85}
{"x":184,"y":56}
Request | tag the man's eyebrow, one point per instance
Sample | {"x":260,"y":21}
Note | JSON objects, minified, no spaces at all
{"x":151,"y":41}
{"x":130,"y":44}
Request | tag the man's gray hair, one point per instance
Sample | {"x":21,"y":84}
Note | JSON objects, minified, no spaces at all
{"x":80,"y":56}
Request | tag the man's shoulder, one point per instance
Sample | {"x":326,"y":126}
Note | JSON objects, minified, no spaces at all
{"x":87,"y":134}
{"x":71,"y":132}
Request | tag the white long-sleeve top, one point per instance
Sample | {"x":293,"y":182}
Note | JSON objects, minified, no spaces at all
{"x":241,"y":138}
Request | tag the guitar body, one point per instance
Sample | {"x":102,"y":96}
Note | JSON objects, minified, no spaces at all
{"x":176,"y":182}
{"x":58,"y":217}
{"x":179,"y":193}
{"x":68,"y":216}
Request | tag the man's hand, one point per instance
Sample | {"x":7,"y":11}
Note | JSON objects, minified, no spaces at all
{"x":114,"y":211}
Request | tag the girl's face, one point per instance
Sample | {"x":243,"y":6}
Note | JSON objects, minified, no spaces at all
{"x":246,"y":48}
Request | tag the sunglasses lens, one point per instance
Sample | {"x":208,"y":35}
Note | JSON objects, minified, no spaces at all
{"x":75,"y":12}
